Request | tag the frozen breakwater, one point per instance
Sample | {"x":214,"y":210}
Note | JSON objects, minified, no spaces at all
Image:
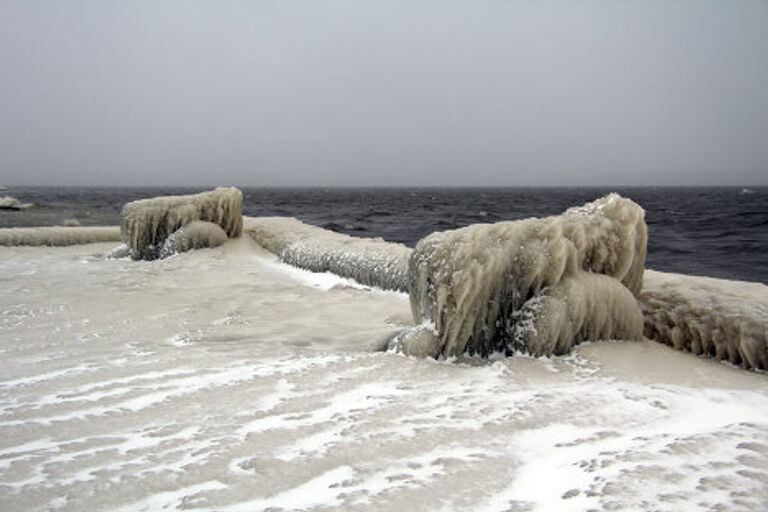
{"x":724,"y":319}
{"x":372,"y":262}
{"x":58,"y":236}
{"x":482,"y":288}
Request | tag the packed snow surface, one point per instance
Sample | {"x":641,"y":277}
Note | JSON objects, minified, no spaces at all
{"x":724,"y":319}
{"x":469,"y":282}
{"x":369,"y":261}
{"x":147,"y":223}
{"x":225,"y":380}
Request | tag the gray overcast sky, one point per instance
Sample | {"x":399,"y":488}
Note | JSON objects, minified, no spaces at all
{"x":411,"y":92}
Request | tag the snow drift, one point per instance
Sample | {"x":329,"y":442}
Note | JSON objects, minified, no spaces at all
{"x":147,"y":223}
{"x":727,"y":320}
{"x":195,"y":235}
{"x":369,"y":261}
{"x":59,"y":235}
{"x":471,"y":282}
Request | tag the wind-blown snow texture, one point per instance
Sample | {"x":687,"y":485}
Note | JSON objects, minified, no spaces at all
{"x":148,"y":222}
{"x":469,"y":282}
{"x":727,"y":320}
{"x":59,"y":236}
{"x":369,"y":261}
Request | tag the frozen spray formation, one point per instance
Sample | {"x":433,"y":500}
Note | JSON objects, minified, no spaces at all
{"x":147,"y":223}
{"x":727,"y":320}
{"x":369,"y":261}
{"x":473,"y":283}
{"x":59,"y":235}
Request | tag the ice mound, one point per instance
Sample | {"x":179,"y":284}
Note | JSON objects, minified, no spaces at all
{"x":581,"y":307}
{"x":471,"y":282}
{"x":727,"y":320}
{"x":11,"y":203}
{"x":59,"y":236}
{"x":147,"y":223}
{"x":195,"y":235}
{"x":369,"y":261}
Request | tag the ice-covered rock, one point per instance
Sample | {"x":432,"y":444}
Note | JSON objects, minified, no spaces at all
{"x":469,"y":282}
{"x":581,"y":307}
{"x":724,"y":319}
{"x":148,"y":222}
{"x":419,"y":341}
{"x":195,"y":235}
{"x":369,"y":261}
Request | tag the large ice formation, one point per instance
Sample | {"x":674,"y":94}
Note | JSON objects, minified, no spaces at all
{"x":148,"y":222}
{"x":727,"y":320}
{"x":59,"y":235}
{"x":195,"y":235}
{"x":471,"y":282}
{"x":369,"y":261}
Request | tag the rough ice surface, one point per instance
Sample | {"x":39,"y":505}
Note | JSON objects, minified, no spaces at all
{"x":582,"y":307}
{"x":216,"y":381}
{"x":724,"y":319}
{"x":369,"y":261}
{"x":148,"y":222}
{"x":195,"y":235}
{"x":59,"y":235}
{"x":468,"y":282}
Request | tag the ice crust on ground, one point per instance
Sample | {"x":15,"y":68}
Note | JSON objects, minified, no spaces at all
{"x":276,"y":402}
{"x":581,"y":307}
{"x":147,"y":223}
{"x":369,"y":261}
{"x":195,"y":235}
{"x":59,"y":235}
{"x":469,"y":282}
{"x":724,"y":319}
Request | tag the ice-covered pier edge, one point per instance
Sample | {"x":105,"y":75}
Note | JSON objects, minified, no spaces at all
{"x":58,"y":235}
{"x":724,"y":319}
{"x":147,"y":223}
{"x":369,"y":261}
{"x":538,"y":285}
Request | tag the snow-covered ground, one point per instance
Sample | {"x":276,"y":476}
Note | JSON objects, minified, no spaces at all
{"x":223,"y":380}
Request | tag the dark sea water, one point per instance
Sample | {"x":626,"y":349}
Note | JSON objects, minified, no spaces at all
{"x":717,"y":232}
